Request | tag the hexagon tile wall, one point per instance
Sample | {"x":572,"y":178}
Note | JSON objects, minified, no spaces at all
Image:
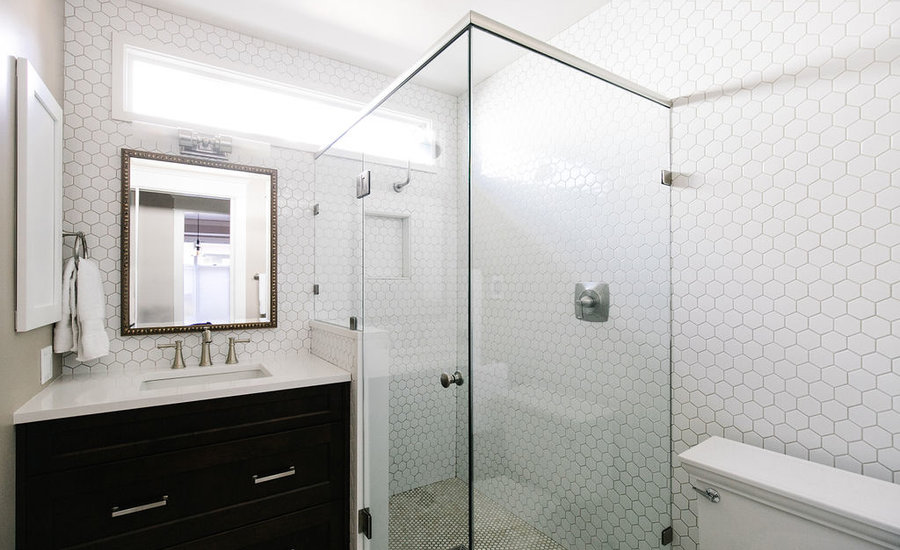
{"x":786,"y":258}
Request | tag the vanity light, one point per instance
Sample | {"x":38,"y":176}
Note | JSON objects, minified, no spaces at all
{"x":211,"y":146}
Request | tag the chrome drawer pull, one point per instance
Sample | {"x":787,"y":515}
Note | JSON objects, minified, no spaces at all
{"x":262,"y":479}
{"x":117,"y":512}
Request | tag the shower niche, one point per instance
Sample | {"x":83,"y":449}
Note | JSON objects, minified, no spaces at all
{"x":387,"y":246}
{"x":529,"y":173}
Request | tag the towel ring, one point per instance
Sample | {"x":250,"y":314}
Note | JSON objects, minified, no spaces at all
{"x":79,"y":240}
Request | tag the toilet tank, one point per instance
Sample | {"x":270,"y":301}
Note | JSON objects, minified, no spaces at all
{"x":770,"y":501}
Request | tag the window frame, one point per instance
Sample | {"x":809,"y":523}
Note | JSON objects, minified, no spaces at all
{"x":128,"y":47}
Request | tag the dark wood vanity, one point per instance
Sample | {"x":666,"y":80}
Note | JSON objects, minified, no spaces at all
{"x":262,"y":471}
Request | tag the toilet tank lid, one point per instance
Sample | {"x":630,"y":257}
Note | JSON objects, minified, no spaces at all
{"x":845,"y":500}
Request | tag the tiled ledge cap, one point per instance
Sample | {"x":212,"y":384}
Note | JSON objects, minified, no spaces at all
{"x":856,"y":504}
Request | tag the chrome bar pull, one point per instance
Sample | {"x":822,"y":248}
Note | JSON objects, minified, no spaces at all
{"x":119,"y":512}
{"x":709,"y":494}
{"x":257,"y":479}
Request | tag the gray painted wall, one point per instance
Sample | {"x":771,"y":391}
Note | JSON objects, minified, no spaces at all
{"x":31,"y":29}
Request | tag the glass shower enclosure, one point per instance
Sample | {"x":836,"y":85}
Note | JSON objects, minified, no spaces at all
{"x":496,"y":219}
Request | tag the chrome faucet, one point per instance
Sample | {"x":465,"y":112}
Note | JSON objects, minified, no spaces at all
{"x":204,"y":348}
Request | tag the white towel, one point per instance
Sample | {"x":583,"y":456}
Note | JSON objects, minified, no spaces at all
{"x":64,"y":330}
{"x":92,"y":340}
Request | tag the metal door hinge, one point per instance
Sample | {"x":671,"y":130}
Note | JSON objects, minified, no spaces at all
{"x":666,"y":177}
{"x":667,"y":536}
{"x":316,"y":209}
{"x":365,"y":523}
{"x":315,"y":290}
{"x":363,"y":184}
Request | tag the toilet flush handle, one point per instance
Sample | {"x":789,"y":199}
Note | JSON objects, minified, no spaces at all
{"x":709,"y":493}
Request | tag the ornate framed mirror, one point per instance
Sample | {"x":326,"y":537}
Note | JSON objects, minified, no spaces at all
{"x":199,"y":244}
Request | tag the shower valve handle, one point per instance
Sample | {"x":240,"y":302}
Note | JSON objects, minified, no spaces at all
{"x":455,"y":378}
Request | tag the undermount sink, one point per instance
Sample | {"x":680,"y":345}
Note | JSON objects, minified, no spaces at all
{"x":205,"y":375}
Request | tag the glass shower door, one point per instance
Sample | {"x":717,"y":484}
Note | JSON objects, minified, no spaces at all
{"x":414,"y":256}
{"x":400,"y":183}
{"x":570,"y":416}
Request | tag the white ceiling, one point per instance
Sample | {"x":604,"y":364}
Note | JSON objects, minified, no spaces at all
{"x":387,"y":36}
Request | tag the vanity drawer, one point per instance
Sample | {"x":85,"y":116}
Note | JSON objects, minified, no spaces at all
{"x":318,"y":528}
{"x":66,"y":444}
{"x":305,"y":467}
{"x":245,"y":527}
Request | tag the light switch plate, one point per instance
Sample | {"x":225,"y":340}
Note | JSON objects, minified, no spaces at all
{"x":46,"y":364}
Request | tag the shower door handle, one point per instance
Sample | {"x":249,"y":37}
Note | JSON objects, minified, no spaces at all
{"x":455,"y":378}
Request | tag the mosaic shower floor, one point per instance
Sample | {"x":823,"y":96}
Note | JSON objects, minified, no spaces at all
{"x":435,"y":517}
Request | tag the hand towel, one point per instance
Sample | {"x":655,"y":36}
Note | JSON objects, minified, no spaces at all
{"x":92,"y":340}
{"x":64,"y":329}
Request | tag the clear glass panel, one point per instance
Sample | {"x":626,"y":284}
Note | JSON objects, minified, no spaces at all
{"x":338,"y":240}
{"x":571,"y":418}
{"x":396,"y":259}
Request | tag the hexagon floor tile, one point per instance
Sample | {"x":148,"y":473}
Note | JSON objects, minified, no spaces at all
{"x":435,"y":517}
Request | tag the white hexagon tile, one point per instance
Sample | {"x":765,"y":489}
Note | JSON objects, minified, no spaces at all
{"x":785,"y":237}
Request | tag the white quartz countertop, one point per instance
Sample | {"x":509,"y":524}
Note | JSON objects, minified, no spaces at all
{"x":83,"y":394}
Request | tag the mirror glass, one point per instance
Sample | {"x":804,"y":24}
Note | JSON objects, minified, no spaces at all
{"x":199,"y":246}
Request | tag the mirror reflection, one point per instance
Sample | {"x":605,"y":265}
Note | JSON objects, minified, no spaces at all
{"x":199,"y":243}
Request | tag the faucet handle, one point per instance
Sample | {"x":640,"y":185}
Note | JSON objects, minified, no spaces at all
{"x":178,"y":362}
{"x":232,"y":356}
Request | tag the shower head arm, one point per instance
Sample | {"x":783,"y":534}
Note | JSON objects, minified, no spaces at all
{"x":401,"y":184}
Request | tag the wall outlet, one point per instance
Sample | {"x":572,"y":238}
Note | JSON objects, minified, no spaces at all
{"x":46,"y":364}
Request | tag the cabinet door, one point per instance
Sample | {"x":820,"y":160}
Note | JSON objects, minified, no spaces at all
{"x":39,"y":212}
